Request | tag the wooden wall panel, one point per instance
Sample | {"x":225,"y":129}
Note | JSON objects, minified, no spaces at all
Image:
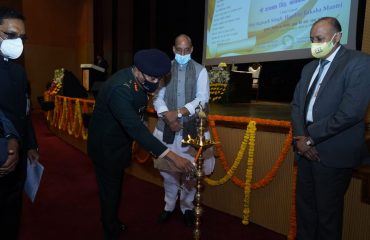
{"x":59,"y":36}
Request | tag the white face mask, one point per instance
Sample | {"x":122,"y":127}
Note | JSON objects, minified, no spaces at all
{"x":11,"y":48}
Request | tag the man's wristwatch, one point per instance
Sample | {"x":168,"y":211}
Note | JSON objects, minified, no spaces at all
{"x":309,"y":142}
{"x":179,"y":114}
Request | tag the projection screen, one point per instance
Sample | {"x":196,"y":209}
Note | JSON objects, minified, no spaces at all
{"x":242,"y":31}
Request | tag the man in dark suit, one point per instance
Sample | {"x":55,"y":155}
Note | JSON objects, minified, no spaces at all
{"x":329,"y":131}
{"x":15,"y":104}
{"x":118,"y":120}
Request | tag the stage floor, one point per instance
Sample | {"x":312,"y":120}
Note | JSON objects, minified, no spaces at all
{"x":256,"y":109}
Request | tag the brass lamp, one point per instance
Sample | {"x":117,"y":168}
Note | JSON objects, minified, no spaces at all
{"x":200,"y":143}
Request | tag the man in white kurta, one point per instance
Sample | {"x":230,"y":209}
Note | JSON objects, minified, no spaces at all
{"x":175,"y":104}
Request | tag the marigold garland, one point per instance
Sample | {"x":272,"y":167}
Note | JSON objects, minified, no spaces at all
{"x":85,"y":109}
{"x":217,"y":91}
{"x":77,"y":120}
{"x":70,"y":117}
{"x":63,"y":117}
{"x":67,"y":115}
{"x":55,"y":115}
{"x":249,"y":171}
{"x":282,"y":156}
{"x":249,"y":138}
{"x":268,"y":177}
{"x":58,"y":112}
{"x":230,"y":171}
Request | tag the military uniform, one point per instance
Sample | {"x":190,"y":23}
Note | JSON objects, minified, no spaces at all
{"x":117,"y":120}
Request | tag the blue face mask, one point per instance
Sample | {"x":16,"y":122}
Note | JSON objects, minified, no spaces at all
{"x":182,"y":59}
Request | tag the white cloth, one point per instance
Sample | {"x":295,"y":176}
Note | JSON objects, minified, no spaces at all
{"x":173,"y":182}
{"x":189,"y":152}
{"x":255,"y":72}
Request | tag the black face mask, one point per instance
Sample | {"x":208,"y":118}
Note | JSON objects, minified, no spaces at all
{"x":149,"y":87}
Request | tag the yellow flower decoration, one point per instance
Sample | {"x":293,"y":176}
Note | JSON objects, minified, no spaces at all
{"x":248,"y":139}
{"x":222,"y":65}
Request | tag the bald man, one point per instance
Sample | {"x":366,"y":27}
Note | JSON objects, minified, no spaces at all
{"x":175,"y":104}
{"x":328,"y":110}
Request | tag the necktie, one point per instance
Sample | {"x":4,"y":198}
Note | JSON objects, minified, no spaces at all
{"x":313,"y":85}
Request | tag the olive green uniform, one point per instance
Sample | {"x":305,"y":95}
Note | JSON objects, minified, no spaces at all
{"x":116,"y":122}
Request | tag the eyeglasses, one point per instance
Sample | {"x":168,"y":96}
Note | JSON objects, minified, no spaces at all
{"x":150,"y":78}
{"x":13,"y":35}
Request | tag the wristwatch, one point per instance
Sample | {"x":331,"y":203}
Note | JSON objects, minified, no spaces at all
{"x":309,"y":142}
{"x":179,"y":114}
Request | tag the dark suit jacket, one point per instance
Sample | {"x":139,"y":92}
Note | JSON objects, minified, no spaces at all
{"x":13,"y":102}
{"x":117,"y":121}
{"x":6,"y":128}
{"x":338,"y":128}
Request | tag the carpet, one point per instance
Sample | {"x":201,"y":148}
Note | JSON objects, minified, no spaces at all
{"x":67,"y":206}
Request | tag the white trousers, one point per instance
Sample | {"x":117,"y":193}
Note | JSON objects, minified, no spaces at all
{"x":179,"y":184}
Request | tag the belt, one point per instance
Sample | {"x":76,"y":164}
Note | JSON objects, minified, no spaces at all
{"x":308,"y":123}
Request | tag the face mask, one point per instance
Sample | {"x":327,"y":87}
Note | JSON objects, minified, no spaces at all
{"x":11,"y":48}
{"x":149,"y":87}
{"x":182,"y":59}
{"x":320,"y":50}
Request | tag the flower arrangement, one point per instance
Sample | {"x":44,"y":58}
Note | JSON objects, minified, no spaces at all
{"x":218,"y":78}
{"x":57,"y":83}
{"x":222,"y":65}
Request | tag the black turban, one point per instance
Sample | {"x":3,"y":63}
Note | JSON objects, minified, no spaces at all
{"x":152,"y":62}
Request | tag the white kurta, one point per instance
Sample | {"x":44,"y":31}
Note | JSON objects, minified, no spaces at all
{"x":175,"y":181}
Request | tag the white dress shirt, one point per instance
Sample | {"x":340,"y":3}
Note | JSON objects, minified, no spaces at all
{"x":309,"y":116}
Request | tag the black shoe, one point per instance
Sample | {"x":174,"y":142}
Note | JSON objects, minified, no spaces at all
{"x":122,"y":227}
{"x":165,"y":215}
{"x":189,"y":218}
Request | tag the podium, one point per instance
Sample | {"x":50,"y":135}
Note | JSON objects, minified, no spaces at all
{"x":91,"y":74}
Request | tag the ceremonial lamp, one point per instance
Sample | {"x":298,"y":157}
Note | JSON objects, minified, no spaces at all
{"x":200,"y":143}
